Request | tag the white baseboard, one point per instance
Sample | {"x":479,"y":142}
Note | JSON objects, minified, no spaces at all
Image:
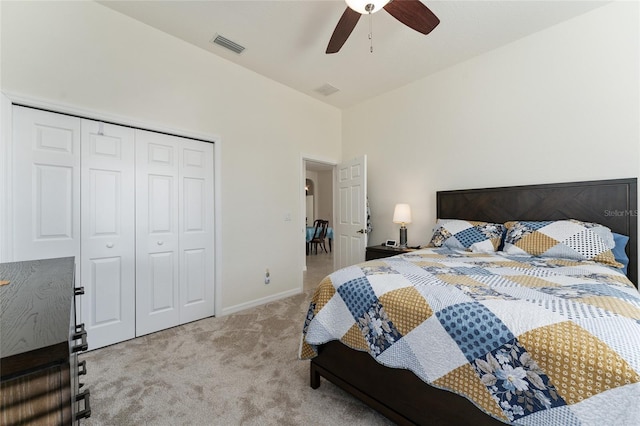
{"x":258,"y":302}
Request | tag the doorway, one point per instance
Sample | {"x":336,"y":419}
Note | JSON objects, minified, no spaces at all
{"x":317,"y":182}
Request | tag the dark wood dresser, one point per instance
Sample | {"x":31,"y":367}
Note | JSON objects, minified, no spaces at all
{"x":39,"y":343}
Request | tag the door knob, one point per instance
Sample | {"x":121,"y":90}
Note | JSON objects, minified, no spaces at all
{"x":160,"y":243}
{"x":361,"y":231}
{"x":109,"y":245}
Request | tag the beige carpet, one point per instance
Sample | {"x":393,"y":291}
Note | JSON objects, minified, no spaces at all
{"x":241,"y":369}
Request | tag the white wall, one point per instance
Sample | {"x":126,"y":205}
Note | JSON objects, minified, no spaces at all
{"x":559,"y":105}
{"x":325,"y":196}
{"x":322,"y":195}
{"x":90,"y":57}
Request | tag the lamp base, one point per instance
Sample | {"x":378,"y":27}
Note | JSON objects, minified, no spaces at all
{"x":403,"y":237}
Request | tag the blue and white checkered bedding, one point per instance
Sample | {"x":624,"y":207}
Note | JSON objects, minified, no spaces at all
{"x":530,"y":341}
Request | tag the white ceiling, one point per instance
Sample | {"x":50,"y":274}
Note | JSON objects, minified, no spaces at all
{"x":286,"y":40}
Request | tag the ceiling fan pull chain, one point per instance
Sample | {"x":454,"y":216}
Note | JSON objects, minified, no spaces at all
{"x":370,"y":32}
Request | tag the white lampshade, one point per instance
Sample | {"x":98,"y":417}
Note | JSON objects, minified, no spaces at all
{"x":360,"y":6}
{"x":402,"y":213}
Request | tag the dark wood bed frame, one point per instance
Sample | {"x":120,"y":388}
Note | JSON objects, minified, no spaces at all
{"x":400,"y":395}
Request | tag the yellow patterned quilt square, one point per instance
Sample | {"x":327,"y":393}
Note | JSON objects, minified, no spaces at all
{"x":613,"y":304}
{"x":354,"y":338}
{"x":324,"y":292}
{"x":536,"y":243}
{"x":460,"y":280}
{"x":531,"y":281}
{"x":577,"y":363}
{"x":406,"y":308}
{"x":465,"y":381}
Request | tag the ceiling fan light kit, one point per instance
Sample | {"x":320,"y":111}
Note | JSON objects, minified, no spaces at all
{"x":411,"y":13}
{"x":366,"y":6}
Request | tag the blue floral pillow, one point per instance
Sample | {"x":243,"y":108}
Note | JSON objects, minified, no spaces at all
{"x":478,"y":237}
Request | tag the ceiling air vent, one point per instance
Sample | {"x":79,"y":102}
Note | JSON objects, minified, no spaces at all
{"x":228,"y":44}
{"x":327,"y":89}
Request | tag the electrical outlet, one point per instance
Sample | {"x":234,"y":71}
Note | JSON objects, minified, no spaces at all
{"x":267,"y":277}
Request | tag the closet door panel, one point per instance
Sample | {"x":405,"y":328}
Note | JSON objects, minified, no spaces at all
{"x":195,"y":276}
{"x":161,"y":200}
{"x":157,"y":232}
{"x":162,"y":283}
{"x":108,"y":232}
{"x":53,"y":202}
{"x":194,"y":199}
{"x":106,"y":289}
{"x":196,"y":230}
{"x":46,"y":184}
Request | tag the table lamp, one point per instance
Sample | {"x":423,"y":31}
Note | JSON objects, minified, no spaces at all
{"x":402,"y":215}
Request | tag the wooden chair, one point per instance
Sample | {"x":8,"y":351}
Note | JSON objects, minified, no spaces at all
{"x":319,"y":235}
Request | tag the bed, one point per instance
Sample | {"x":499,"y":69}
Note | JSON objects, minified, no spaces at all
{"x":535,"y":363}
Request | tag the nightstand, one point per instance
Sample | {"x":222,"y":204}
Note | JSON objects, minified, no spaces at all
{"x":378,"y":252}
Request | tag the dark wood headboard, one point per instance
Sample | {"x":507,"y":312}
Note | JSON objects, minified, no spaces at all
{"x":612,"y":203}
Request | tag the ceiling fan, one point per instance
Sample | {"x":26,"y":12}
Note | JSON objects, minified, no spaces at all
{"x":412,"y":13}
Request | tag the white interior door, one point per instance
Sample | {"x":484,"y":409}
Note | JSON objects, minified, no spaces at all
{"x":350,"y":233}
{"x":108,"y":232}
{"x":157,"y":232}
{"x":196,"y":229}
{"x":46,"y":185}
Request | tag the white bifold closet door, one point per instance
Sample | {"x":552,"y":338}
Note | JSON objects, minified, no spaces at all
{"x":174,"y":231}
{"x":108,"y":232}
{"x":134,"y":207}
{"x":45,"y":184}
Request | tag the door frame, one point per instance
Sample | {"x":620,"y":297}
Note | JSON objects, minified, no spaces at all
{"x":8,"y":99}
{"x":6,"y":183}
{"x":304,"y":158}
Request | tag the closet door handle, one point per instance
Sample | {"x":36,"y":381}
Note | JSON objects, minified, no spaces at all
{"x":109,"y":245}
{"x":80,"y":334}
{"x":160,"y":243}
{"x":82,"y":367}
{"x":86,"y":397}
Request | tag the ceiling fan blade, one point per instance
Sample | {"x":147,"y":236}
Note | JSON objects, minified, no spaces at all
{"x":413,"y":14}
{"x":345,"y":26}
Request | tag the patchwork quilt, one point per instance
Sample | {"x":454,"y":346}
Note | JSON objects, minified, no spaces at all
{"x":529,"y":340}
